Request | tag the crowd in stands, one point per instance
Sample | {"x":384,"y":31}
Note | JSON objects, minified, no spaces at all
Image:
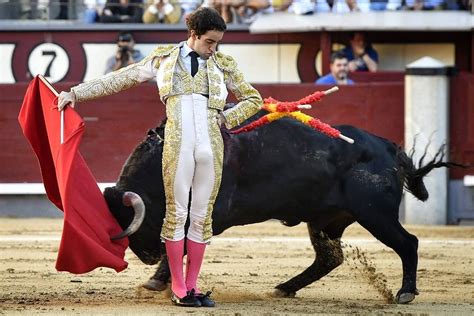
{"x":175,"y":11}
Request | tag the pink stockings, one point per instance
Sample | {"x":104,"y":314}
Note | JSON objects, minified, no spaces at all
{"x":193,"y":263}
{"x":175,"y":251}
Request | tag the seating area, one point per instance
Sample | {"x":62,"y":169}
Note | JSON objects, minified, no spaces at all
{"x":235,"y":12}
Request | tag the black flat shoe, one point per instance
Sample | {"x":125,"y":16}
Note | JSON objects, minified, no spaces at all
{"x":190,"y":300}
{"x":205,"y":299}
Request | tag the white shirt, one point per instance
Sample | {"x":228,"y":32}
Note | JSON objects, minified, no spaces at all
{"x":184,"y":52}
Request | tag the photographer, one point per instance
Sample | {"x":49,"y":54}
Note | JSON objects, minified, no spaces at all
{"x":126,"y":53}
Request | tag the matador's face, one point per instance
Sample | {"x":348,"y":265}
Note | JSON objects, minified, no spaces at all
{"x":205,"y":45}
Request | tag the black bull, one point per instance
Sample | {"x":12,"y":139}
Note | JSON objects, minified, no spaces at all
{"x":289,"y":172}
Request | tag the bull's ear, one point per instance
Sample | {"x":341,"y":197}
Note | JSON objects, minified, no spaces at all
{"x":112,"y":195}
{"x":151,"y":131}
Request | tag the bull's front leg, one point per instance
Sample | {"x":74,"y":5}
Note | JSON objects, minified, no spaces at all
{"x":329,"y":256}
{"x":159,"y":281}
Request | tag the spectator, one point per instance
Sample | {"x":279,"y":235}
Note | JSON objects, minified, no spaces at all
{"x":162,"y":11}
{"x":460,"y":5}
{"x":378,"y":5}
{"x":280,"y":5}
{"x":126,"y":53}
{"x":127,"y":11}
{"x":361,"y":55}
{"x":352,"y":4}
{"x":251,"y":9}
{"x":302,"y":7}
{"x":188,"y":6}
{"x":454,"y":5}
{"x":63,"y":13}
{"x":93,"y":10}
{"x":24,"y":9}
{"x":342,"y":6}
{"x":339,"y":67}
{"x":418,"y":5}
{"x":42,"y":9}
{"x":238,"y":11}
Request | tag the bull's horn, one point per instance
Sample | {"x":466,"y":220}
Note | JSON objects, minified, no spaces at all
{"x":135,"y":201}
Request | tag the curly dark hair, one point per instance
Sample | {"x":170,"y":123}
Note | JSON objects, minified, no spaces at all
{"x":205,"y":19}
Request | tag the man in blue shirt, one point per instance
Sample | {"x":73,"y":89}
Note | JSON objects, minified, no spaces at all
{"x":361,"y":55}
{"x":339,"y":67}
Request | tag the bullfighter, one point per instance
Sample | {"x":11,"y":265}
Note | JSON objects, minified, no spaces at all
{"x":193,"y":79}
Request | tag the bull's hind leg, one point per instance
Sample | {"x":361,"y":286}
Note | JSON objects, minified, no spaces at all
{"x":329,"y":256}
{"x":390,"y":232}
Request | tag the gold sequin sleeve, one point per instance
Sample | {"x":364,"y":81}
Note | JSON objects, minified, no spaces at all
{"x":119,"y":80}
{"x":250,"y":101}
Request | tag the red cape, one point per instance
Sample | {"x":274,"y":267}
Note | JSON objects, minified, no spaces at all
{"x":70,"y":185}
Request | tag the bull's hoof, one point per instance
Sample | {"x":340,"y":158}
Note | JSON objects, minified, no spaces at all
{"x":407,"y":297}
{"x":291,"y":222}
{"x":155,"y":285}
{"x":280,"y":293}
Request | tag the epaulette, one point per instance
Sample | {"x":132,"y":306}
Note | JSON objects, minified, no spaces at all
{"x":224,"y":62}
{"x":161,"y":51}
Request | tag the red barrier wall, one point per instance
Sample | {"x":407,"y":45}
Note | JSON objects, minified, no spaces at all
{"x":116,"y":124}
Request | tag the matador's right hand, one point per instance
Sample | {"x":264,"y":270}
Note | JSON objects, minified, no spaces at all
{"x":66,"y":98}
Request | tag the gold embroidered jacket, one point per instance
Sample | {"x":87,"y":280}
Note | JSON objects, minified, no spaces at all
{"x":222,"y":74}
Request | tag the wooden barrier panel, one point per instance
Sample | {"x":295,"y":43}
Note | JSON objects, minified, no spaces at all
{"x":379,"y":76}
{"x":116,"y":124}
{"x":461,"y":123}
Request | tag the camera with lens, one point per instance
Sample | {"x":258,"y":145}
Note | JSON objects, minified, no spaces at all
{"x":124,"y":53}
{"x":124,"y":50}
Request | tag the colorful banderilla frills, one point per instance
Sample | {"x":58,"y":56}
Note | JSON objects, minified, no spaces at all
{"x":279,"y":109}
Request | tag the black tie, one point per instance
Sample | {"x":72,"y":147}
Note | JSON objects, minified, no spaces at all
{"x":194,"y":62}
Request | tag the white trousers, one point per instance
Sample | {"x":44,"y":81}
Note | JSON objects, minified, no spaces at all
{"x":195,"y":168}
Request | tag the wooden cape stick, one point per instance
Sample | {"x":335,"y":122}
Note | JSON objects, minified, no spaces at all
{"x":46,"y":82}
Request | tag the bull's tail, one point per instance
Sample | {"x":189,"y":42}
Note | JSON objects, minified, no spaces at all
{"x":413,"y":176}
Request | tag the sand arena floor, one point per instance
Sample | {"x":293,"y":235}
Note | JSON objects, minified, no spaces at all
{"x":241,"y":267}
